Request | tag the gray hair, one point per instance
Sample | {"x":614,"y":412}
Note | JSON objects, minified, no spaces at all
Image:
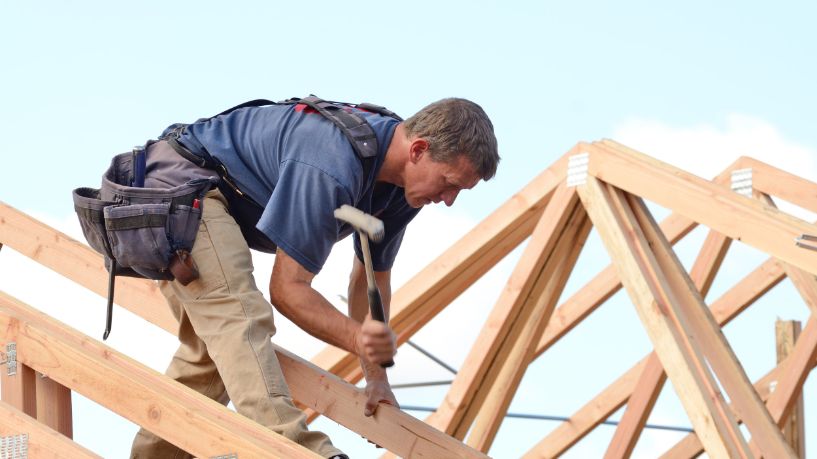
{"x":454,"y":127}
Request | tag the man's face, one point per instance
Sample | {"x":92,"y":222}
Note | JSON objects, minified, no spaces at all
{"x":429,"y":181}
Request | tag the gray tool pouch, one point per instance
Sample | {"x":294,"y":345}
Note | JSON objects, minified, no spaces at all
{"x":140,"y":228}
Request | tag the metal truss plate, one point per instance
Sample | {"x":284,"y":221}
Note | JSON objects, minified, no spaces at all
{"x":14,"y":447}
{"x":577,"y":169}
{"x":742,"y":182}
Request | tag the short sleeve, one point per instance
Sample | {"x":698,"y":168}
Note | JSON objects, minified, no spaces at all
{"x":299,"y":216}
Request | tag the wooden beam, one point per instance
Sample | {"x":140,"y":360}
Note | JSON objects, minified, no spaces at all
{"x":726,"y":308}
{"x":43,"y":442}
{"x":522,"y":340}
{"x":17,"y":389}
{"x":690,"y":446}
{"x":63,"y":254}
{"x":54,"y":405}
{"x":652,"y":380}
{"x":787,"y":333}
{"x":427,"y":293}
{"x":405,"y":436}
{"x":721,"y":358}
{"x":46,"y":245}
{"x":776,"y":182}
{"x":455,"y":413}
{"x":784,"y":397}
{"x":665,"y":322}
{"x":183,"y":417}
{"x":805,"y":283}
{"x":738,"y":217}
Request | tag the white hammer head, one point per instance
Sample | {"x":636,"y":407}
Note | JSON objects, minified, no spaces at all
{"x":361,"y":221}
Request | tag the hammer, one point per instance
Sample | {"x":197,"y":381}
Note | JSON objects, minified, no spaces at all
{"x":367,"y":227}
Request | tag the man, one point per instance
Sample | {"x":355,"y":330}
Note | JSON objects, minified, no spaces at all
{"x":300,"y":167}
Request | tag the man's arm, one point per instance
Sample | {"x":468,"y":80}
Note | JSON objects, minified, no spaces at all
{"x":292,"y":295}
{"x":377,"y":383}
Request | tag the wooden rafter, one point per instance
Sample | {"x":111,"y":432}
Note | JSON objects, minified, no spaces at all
{"x":664,"y":306}
{"x":726,"y":308}
{"x":480,"y":369}
{"x":185,"y":418}
{"x":42,"y":440}
{"x":786,"y":334}
{"x":737,"y":217}
{"x":649,"y":386}
{"x":309,"y":384}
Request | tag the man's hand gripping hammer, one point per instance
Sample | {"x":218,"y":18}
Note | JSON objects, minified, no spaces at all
{"x":368,"y":227}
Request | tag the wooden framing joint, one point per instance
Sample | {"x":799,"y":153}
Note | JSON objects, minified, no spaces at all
{"x":577,"y":169}
{"x":10,"y":359}
{"x":800,"y":241}
{"x":14,"y":446}
{"x":742,"y":181}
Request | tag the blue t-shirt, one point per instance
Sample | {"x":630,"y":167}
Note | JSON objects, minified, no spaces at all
{"x":301,"y":167}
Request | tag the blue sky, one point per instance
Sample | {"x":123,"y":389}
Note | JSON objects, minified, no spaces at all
{"x":694,"y":83}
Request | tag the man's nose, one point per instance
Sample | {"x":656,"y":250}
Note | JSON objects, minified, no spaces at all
{"x":449,"y":197}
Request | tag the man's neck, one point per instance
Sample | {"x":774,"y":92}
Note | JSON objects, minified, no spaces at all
{"x":396,"y":158}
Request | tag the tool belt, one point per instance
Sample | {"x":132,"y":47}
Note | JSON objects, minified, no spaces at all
{"x":142,"y":232}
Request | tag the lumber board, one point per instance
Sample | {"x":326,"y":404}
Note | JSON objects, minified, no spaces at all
{"x":181,"y":416}
{"x":786,"y":334}
{"x":652,"y":380}
{"x":736,"y":216}
{"x":147,"y":302}
{"x":594,"y":412}
{"x":18,"y":390}
{"x":452,"y":413}
{"x":724,"y":363}
{"x":63,"y":254}
{"x":406,"y":436}
{"x":54,"y":405}
{"x":659,"y":311}
{"x":690,"y":445}
{"x":526,"y":333}
{"x":779,"y":183}
{"x":429,"y":291}
{"x":43,"y":441}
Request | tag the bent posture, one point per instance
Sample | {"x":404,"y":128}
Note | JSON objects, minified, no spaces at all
{"x":283,"y":170}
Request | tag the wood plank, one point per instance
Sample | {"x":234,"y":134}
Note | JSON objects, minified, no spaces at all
{"x":576,"y":308}
{"x":148,"y":302}
{"x":452,"y":415}
{"x":726,"y":308}
{"x":43,"y":442}
{"x":652,"y":380}
{"x":430,"y":290}
{"x":681,"y":357}
{"x":54,"y":405}
{"x":805,"y":283}
{"x":776,"y":182}
{"x":736,"y":216}
{"x":63,"y":254}
{"x":523,"y":339}
{"x":17,"y":390}
{"x":690,"y":446}
{"x":786,"y":333}
{"x":721,"y":358}
{"x":187,"y":419}
{"x":406,"y":436}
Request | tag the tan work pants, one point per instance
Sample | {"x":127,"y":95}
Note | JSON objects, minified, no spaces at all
{"x":225,"y":326}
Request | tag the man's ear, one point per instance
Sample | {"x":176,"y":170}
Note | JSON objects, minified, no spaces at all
{"x":417,"y":148}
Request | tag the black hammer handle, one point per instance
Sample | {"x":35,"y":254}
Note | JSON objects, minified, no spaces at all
{"x":376,"y":308}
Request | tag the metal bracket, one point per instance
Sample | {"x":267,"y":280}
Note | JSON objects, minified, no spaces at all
{"x":10,"y":359}
{"x":14,"y":447}
{"x":577,"y":169}
{"x":742,"y":182}
{"x":226,"y":456}
{"x":806,"y":237}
